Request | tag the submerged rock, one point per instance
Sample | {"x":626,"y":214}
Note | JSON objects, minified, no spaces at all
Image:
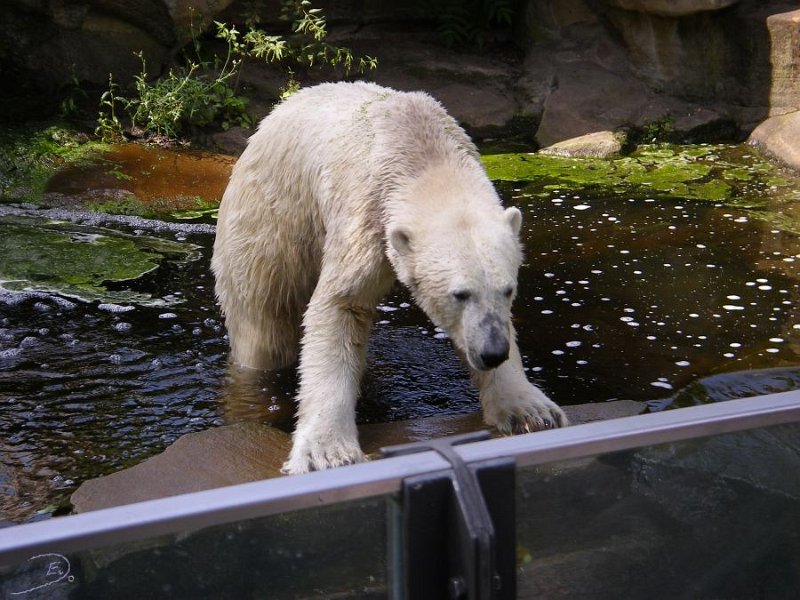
{"x":246,"y":452}
{"x":197,"y":461}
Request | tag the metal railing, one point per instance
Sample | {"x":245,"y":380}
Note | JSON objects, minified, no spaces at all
{"x":381,"y":477}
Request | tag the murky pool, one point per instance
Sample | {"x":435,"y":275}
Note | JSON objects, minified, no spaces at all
{"x":111,"y":345}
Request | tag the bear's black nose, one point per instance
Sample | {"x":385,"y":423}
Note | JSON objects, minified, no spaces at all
{"x":495,"y":356}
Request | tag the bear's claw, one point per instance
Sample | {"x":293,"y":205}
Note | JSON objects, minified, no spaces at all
{"x":528,"y":423}
{"x":305,"y":458}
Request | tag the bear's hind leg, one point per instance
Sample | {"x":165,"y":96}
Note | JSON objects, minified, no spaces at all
{"x":264,"y":341}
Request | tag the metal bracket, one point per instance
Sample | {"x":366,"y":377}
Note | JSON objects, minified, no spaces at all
{"x":454,"y":531}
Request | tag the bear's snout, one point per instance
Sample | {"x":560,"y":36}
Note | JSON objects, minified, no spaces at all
{"x":495,"y":355}
{"x":493,"y":349}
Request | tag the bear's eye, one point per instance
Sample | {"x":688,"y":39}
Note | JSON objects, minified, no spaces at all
{"x":461,"y":295}
{"x":508,"y":292}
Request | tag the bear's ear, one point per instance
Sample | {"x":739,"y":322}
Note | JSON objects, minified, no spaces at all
{"x":400,"y":240}
{"x":514,"y":219}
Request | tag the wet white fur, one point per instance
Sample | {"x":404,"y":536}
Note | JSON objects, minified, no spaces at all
{"x":343,"y":188}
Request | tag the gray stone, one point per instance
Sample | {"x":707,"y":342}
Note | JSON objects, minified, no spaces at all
{"x":601,"y":144}
{"x":779,"y":136}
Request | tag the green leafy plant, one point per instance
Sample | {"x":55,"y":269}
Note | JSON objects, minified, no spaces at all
{"x":109,"y":128}
{"x":468,"y":22}
{"x":203,"y":91}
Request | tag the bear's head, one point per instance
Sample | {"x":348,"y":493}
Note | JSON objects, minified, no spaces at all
{"x":460,"y":260}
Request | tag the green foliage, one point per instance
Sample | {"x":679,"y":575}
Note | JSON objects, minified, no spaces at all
{"x":656,"y":132}
{"x":71,"y":95}
{"x":109,"y":128}
{"x":467,"y":22}
{"x":310,"y":48}
{"x":31,"y":153}
{"x":204,"y":91}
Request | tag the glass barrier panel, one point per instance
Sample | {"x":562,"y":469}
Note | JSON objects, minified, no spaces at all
{"x":709,"y":518}
{"x":337,"y":551}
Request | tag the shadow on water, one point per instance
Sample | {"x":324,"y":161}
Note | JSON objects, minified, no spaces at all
{"x":620,"y":297}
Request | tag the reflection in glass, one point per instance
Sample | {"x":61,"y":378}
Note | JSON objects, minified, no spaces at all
{"x":708,"y":518}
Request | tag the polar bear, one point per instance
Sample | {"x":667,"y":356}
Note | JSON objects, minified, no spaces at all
{"x":343,"y":188}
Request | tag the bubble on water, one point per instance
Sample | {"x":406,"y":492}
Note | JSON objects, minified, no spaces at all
{"x":651,"y":337}
{"x":735,"y":345}
{"x":661,"y":384}
{"x":547,"y":312}
{"x":114,"y":308}
{"x":776,"y":340}
{"x":122,"y":327}
{"x":733,"y":307}
{"x":733,"y":297}
{"x":558,"y":352}
{"x":683,"y":363}
{"x":168,"y":315}
{"x":573,"y":344}
{"x":702,"y":246}
{"x":765,"y":288}
{"x":29,"y":342}
{"x":626,"y":319}
{"x":386,"y":308}
{"x":773,"y":350}
{"x":581,"y":207}
{"x":581,"y":362}
{"x":549,"y":275}
{"x":383,"y":322}
{"x":761,"y":280}
{"x":596,"y":271}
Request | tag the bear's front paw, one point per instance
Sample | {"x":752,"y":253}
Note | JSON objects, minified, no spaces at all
{"x":309,"y":454}
{"x":524,"y":412}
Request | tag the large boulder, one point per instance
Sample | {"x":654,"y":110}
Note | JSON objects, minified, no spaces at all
{"x":711,"y":66}
{"x":779,"y":136}
{"x":784,"y":33}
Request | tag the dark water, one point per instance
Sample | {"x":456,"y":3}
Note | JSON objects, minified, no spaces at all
{"x":618,"y":299}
